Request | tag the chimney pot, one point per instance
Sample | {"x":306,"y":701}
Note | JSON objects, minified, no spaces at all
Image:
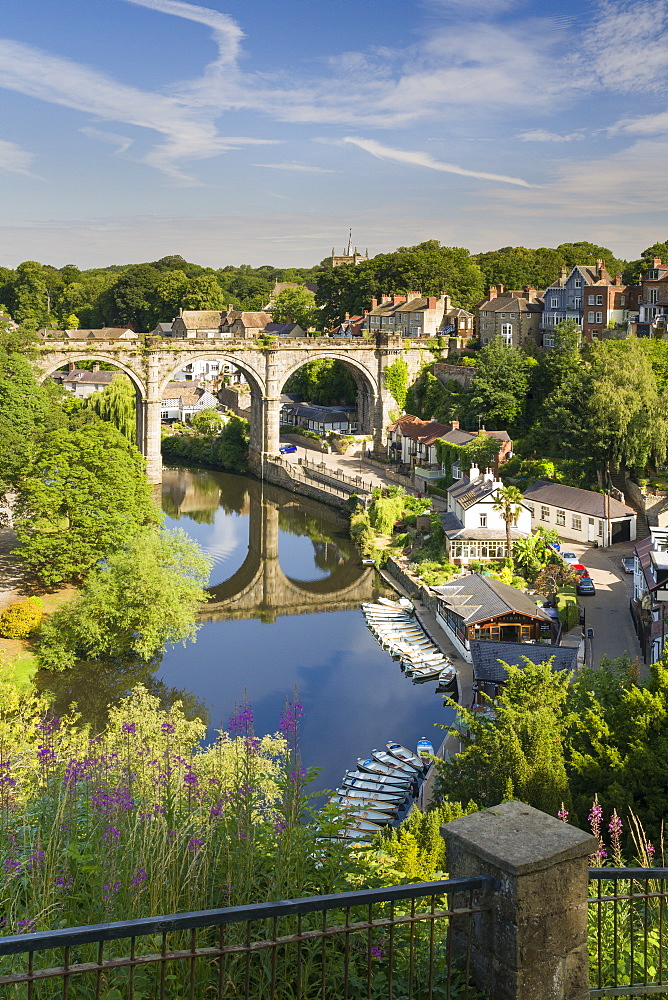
{"x":492,"y":292}
{"x":454,"y":425}
{"x":656,"y":262}
{"x":431,"y":302}
{"x":474,"y":473}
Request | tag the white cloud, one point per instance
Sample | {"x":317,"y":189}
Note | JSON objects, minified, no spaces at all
{"x":121,"y":142}
{"x":304,"y":167}
{"x":541,"y":135}
{"x":14,"y":159}
{"x":627,"y":45}
{"x":417,"y":159}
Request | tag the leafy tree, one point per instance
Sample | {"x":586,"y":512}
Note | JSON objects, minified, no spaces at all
{"x":117,"y":403}
{"x":481,"y":451}
{"x":230,"y":449}
{"x":533,"y":553}
{"x":428,"y":398}
{"x":552,"y":577}
{"x":508,"y":502}
{"x":203,"y":293}
{"x":132,"y":299}
{"x":296,"y":305}
{"x":499,"y":390}
{"x":635,"y":268}
{"x":170,"y":293}
{"x":325,"y":383}
{"x":207,"y":422}
{"x":395,"y":378}
{"x":521,"y":754}
{"x":589,"y":253}
{"x":144,"y":596}
{"x":31,"y":296}
{"x":84,"y":493}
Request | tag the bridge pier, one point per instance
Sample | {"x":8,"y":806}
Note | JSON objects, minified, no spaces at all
{"x":151,"y":419}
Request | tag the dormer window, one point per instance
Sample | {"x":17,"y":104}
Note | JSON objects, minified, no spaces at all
{"x":578,"y":282}
{"x":652,"y":275}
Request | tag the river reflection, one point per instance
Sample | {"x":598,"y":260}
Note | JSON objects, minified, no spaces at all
{"x":286,"y":588}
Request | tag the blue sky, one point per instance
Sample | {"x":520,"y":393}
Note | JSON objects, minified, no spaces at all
{"x":251,"y":131}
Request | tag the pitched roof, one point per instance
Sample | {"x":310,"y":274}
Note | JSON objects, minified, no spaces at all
{"x":84,"y":376}
{"x":467,"y":492}
{"x":201,"y":319}
{"x":486,"y":656}
{"x":581,"y":501}
{"x":282,"y":329}
{"x":257,"y":320}
{"x":476,"y":598}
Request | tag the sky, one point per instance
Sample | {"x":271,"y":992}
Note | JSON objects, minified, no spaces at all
{"x":257,"y":132}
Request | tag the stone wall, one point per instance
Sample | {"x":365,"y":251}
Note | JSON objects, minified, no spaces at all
{"x":279,"y":476}
{"x":453,"y":373}
{"x":236,"y":400}
{"x":306,"y":442}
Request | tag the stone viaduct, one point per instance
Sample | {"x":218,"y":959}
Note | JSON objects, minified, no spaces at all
{"x":152,"y":363}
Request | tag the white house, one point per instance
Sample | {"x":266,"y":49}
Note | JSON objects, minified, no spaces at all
{"x":474,"y":530}
{"x":584,"y":516}
{"x":181,"y":399}
{"x":83,"y":384}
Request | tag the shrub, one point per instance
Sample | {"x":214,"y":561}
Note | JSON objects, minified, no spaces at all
{"x":21,"y":619}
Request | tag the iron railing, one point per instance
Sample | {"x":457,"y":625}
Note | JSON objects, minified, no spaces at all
{"x":407,"y":942}
{"x":628,"y":925}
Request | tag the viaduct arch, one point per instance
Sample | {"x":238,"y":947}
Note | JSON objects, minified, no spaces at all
{"x":151,"y":363}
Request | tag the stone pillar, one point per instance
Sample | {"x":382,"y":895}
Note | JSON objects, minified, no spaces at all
{"x":152,"y":407}
{"x":532,"y":943}
{"x":271,"y":406}
{"x":270,"y":565}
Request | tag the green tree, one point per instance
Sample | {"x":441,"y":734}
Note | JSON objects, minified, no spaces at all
{"x":499,"y":390}
{"x":552,"y":577}
{"x":208,"y":422}
{"x":520,"y":755}
{"x":203,"y":293}
{"x":230,"y":449}
{"x":170,"y":293}
{"x":132,"y":298}
{"x":31,"y":294}
{"x":325,"y":383}
{"x":296,"y":305}
{"x":117,"y":403}
{"x":144,"y":596}
{"x":508,"y":502}
{"x":481,"y":451}
{"x":84,"y":493}
{"x":395,"y":378}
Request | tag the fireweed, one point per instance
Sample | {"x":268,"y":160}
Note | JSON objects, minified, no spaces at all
{"x":143,"y":819}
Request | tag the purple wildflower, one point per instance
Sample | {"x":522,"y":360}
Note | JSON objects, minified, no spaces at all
{"x":290,"y":719}
{"x":615,"y":828}
{"x":129,"y":728}
{"x":595,"y":821}
{"x":11,"y":867}
{"x":45,"y":754}
{"x":65,"y":882}
{"x":171,"y":834}
{"x":242,"y":721}
{"x":26,"y":926}
{"x":167,"y":727}
{"x":195,"y":843}
{"x":190,"y":778}
{"x":110,"y":890}
{"x":563,"y":814}
{"x":377,"y":951}
{"x":49,"y":725}
{"x":138,"y":880}
{"x":111,"y":834}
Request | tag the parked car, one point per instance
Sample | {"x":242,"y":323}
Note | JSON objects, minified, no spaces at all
{"x":579,"y":570}
{"x":585,"y":585}
{"x":569,"y":557}
{"x":628,"y":564}
{"x":287,"y":449}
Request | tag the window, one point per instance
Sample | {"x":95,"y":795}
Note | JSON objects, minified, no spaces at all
{"x":652,"y":275}
{"x":578,"y":282}
{"x":577,"y":301}
{"x":599,"y":317}
{"x":555,"y":303}
{"x":622,"y":300}
{"x":545,"y":513}
{"x":484,"y":312}
{"x":483,"y":520}
{"x":164,"y":414}
{"x":590,"y":317}
{"x":507,"y":334}
{"x":561,"y":517}
{"x":484,"y":326}
{"x":653,"y":296}
{"x":548,"y":340}
{"x":599,"y":300}
{"x":576,"y":522}
{"x":600,"y":527}
{"x":590,"y":300}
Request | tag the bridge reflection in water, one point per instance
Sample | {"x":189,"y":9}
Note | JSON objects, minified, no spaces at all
{"x":260,"y":588}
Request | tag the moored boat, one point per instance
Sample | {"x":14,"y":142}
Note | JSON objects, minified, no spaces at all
{"x":425,"y":749}
{"x":389,"y":783}
{"x":403,"y":753}
{"x":402,"y":766}
{"x":375,"y":767}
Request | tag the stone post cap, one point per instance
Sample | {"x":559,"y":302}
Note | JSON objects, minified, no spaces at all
{"x":518,"y":838}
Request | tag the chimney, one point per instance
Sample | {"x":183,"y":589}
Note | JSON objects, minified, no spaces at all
{"x":431,"y":302}
{"x":397,"y":299}
{"x":454,"y":425}
{"x":488,"y":476}
{"x":501,"y":289}
{"x":563,"y":272}
{"x":96,"y":366}
{"x":374,"y":303}
{"x":529,"y":293}
{"x":493,"y":291}
{"x":600,"y":264}
{"x":71,"y":366}
{"x":618,"y":280}
{"x":447,"y":303}
{"x":347,"y":316}
{"x":433,"y":420}
{"x":656,"y":262}
{"x":413,"y":295}
{"x":474,"y":473}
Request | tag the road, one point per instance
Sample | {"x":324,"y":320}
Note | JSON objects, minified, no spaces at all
{"x":607,"y":611}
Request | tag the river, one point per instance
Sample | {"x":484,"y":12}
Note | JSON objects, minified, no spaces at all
{"x":286,"y":588}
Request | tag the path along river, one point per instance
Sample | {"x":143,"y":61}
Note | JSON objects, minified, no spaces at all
{"x":286,"y":589}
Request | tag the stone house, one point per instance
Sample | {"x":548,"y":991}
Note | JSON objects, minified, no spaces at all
{"x":490,"y":675}
{"x":101,"y":333}
{"x":514,"y":316}
{"x":456,"y":324}
{"x":477,"y":607}
{"x":196,"y":323}
{"x":584,"y":516}
{"x":410,"y":315}
{"x":83,"y":384}
{"x":320,"y":419}
{"x":474,"y":530}
{"x":652,"y":302}
{"x":413,"y":442}
{"x":589,"y":296}
{"x":180,"y":400}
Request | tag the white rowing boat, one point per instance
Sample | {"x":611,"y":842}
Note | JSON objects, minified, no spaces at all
{"x":403,"y":753}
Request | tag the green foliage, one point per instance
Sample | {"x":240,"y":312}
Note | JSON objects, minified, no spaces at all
{"x":21,"y":618}
{"x":84,"y":493}
{"x":117,"y":404}
{"x":296,"y":305}
{"x":385,"y":511}
{"x":207,"y":422}
{"x":567,"y":600}
{"x":508,"y":502}
{"x":515,"y":267}
{"x":532,"y":554}
{"x":395,"y":378}
{"x":145,"y":595}
{"x":324,"y":383}
{"x":227,"y":451}
{"x":498,"y":393}
{"x":428,"y":398}
{"x":521,"y":754}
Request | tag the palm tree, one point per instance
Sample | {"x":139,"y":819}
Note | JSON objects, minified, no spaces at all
{"x":509,"y":503}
